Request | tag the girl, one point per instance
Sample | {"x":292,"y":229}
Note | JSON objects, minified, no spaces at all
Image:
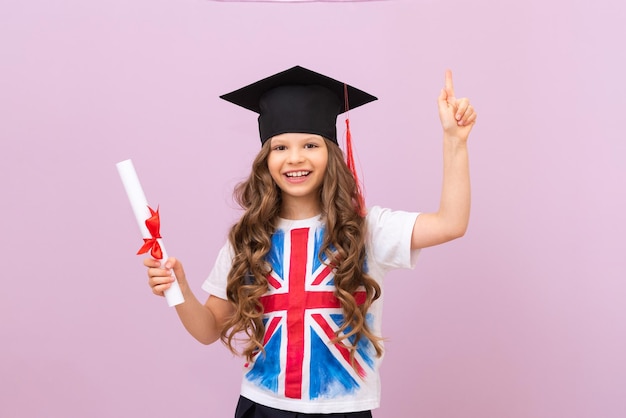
{"x":299,"y":279}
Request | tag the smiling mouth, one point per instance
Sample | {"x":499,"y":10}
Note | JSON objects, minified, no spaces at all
{"x":298,"y":174}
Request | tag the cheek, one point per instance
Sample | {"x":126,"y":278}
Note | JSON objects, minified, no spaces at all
{"x":271,"y":163}
{"x":324,"y":162}
{"x":274,"y":168}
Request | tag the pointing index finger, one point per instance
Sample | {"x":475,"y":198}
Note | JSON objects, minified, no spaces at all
{"x":449,"y":85}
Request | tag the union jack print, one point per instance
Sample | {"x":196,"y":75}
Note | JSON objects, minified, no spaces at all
{"x":301,"y":318}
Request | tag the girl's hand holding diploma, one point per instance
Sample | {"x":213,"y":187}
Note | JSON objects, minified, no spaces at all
{"x":160,"y":279}
{"x":203,"y":321}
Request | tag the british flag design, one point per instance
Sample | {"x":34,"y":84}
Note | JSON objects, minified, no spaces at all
{"x":301,"y":317}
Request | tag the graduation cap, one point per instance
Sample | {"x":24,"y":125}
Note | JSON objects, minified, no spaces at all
{"x":298,"y":100}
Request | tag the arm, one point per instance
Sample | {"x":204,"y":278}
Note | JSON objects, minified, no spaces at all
{"x":203,"y":322}
{"x":450,"y":221}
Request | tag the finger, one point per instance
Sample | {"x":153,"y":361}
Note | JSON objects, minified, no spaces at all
{"x":462,"y":106}
{"x":169,"y":263}
{"x":159,"y":290}
{"x":151,"y":262}
{"x":469,"y":113}
{"x":159,"y":272}
{"x":449,"y":84}
{"x":177,"y":267}
{"x":160,"y":284}
{"x":442,"y":100}
{"x":471,"y":119}
{"x":160,"y":280}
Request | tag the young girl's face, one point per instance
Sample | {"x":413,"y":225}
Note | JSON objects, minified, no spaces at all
{"x":297,"y":163}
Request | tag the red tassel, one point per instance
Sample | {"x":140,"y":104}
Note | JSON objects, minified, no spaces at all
{"x":360,"y":203}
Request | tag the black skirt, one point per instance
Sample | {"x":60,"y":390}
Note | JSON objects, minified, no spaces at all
{"x":248,"y":409}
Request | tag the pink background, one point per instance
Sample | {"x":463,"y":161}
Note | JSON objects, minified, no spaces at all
{"x":522,"y":318}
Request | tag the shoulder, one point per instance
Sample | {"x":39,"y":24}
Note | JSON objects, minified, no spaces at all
{"x":225,"y":256}
{"x":378,"y":217}
{"x":389,"y":237}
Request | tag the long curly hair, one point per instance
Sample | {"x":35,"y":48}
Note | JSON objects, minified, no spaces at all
{"x":343,"y":246}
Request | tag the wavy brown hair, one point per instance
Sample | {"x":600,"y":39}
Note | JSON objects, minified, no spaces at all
{"x":343,"y":246}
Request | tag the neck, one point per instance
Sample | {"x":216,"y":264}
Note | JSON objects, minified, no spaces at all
{"x":300,"y":208}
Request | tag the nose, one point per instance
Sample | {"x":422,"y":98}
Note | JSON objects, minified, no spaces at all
{"x":295,"y":156}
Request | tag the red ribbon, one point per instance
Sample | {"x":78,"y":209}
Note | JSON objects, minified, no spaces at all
{"x":151,"y":244}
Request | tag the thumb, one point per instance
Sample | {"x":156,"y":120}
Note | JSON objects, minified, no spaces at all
{"x":443,"y":97}
{"x":176,"y":266}
{"x":442,"y":100}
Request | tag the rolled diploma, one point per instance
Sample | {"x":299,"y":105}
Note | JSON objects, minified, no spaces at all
{"x":138,"y":201}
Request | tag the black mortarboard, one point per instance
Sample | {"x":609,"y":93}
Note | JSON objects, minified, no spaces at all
{"x":299,"y":101}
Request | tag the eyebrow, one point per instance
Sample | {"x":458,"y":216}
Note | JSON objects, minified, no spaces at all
{"x":313,"y":138}
{"x":308,"y":138}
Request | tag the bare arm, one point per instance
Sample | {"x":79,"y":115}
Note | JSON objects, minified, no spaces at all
{"x":451,"y":219}
{"x":203,"y":322}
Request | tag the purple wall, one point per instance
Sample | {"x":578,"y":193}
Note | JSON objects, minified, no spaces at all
{"x":522,"y":318}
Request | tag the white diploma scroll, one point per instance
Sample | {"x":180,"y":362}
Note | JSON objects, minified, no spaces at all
{"x":138,"y":201}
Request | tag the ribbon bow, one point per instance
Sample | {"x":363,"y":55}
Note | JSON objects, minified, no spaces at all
{"x":151,"y":244}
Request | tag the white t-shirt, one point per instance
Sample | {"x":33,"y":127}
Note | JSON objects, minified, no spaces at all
{"x":301,"y":369}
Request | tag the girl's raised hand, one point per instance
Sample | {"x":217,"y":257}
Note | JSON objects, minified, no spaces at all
{"x":457,"y":115}
{"x":160,"y":279}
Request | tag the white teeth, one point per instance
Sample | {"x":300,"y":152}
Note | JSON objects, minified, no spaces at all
{"x":298,"y":174}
